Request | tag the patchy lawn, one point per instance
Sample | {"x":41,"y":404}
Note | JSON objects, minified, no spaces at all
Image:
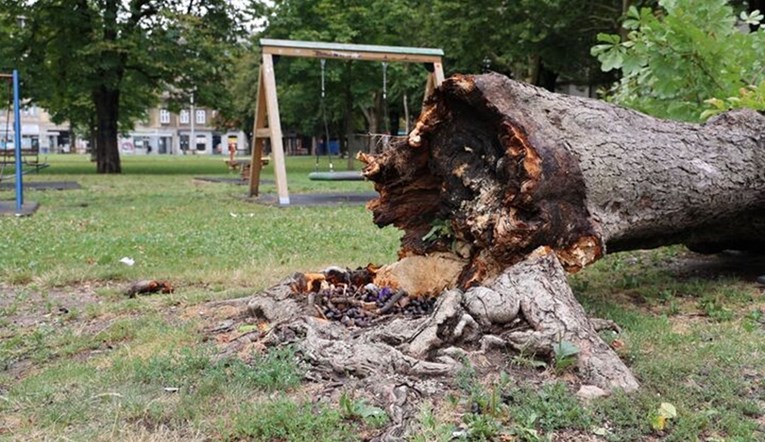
{"x":80,"y":360}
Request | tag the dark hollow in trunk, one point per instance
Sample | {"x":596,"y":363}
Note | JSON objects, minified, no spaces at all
{"x":511,"y":167}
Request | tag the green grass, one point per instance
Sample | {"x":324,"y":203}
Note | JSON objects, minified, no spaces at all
{"x":80,"y":361}
{"x":176,"y":228}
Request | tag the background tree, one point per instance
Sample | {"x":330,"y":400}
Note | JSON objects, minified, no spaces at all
{"x":531,"y":40}
{"x":100,"y":64}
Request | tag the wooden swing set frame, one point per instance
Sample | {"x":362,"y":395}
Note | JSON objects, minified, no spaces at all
{"x":267,"y":122}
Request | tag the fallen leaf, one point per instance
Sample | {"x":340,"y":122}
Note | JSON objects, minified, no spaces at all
{"x":667,"y":410}
{"x":658,"y":423}
{"x":600,"y":431}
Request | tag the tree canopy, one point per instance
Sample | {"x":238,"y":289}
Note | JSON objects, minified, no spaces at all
{"x":353,"y":90}
{"x":101,"y":64}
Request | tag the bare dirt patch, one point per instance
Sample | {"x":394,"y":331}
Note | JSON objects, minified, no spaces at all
{"x":45,"y":314}
{"x":26,"y":307}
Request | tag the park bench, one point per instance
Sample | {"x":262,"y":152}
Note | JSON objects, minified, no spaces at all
{"x":30,"y":159}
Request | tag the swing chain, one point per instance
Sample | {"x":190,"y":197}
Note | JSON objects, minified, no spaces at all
{"x":385,"y":97}
{"x":324,"y":119}
{"x":323,"y":67}
{"x":385,"y":80}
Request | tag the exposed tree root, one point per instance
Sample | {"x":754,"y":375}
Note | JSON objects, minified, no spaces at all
{"x":529,"y":308}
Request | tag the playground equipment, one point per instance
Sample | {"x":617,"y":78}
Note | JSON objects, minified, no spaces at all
{"x":268,"y":105}
{"x":332,"y":175}
{"x":20,"y":208}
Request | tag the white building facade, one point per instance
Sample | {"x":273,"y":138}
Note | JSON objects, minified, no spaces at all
{"x":162,"y":133}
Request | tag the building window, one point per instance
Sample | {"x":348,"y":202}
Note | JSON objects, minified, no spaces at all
{"x":164,"y":116}
{"x":201,"y":116}
{"x":184,"y":116}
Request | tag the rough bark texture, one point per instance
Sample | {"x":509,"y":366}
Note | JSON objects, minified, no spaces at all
{"x":106,"y":148}
{"x":513,"y":167}
{"x":499,"y":189}
{"x":106,"y":95}
{"x":528,"y":308}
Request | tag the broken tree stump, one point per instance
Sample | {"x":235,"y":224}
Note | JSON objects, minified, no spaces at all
{"x":529,"y":308}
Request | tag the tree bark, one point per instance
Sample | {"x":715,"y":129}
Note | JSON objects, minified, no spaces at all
{"x":106,"y":95}
{"x":107,"y":117}
{"x":511,"y":167}
{"x":501,"y":188}
{"x":528,"y":308}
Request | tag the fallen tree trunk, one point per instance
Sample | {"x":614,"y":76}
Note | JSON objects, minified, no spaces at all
{"x":510,"y":167}
{"x":500,"y":188}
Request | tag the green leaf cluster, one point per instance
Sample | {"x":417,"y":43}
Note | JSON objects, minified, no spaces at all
{"x":684,"y":56}
{"x":565,"y":353}
{"x":351,"y":408}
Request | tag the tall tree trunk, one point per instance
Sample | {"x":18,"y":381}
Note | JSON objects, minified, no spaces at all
{"x":511,"y":167}
{"x":107,"y":116}
{"x":541,"y":76}
{"x":106,"y":96}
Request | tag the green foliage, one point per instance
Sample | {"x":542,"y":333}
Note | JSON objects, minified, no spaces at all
{"x":714,"y":307}
{"x":353,"y":98}
{"x":691,"y":52}
{"x":524,"y":37}
{"x":749,"y":97}
{"x":182,"y":231}
{"x":549,"y":408}
{"x":429,"y":429}
{"x":503,"y":409}
{"x":467,"y":377}
{"x":100,"y":374}
{"x":565,"y":355}
{"x":277,"y":370}
{"x":660,"y":418}
{"x":754,"y":320}
{"x":441,"y":229}
{"x":102,"y":65}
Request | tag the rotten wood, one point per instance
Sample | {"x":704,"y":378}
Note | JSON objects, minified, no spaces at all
{"x":512,"y":167}
{"x":463,"y":326}
{"x":500,"y":189}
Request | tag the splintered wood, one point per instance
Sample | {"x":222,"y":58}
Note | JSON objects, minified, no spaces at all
{"x":500,"y":190}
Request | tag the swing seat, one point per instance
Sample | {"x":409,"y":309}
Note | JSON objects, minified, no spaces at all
{"x":350,"y":175}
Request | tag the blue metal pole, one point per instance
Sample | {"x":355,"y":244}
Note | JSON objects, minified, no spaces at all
{"x":17,"y":142}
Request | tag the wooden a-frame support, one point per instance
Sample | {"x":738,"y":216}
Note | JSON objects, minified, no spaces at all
{"x":267,"y":104}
